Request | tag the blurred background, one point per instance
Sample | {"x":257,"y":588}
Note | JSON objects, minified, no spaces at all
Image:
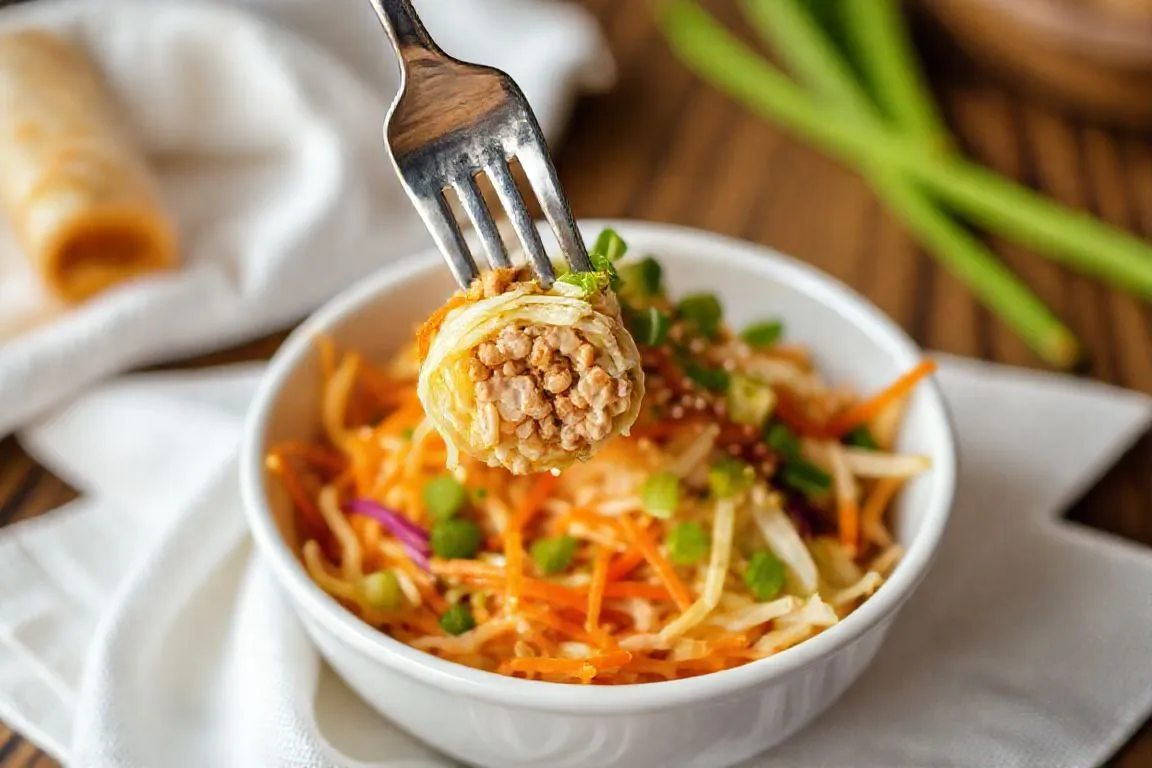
{"x":1056,"y":94}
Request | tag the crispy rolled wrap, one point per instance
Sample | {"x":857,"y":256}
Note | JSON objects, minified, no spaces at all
{"x":529,"y":379}
{"x":76,"y":190}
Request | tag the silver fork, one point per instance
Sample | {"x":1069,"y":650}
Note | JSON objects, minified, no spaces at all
{"x":452,"y":121}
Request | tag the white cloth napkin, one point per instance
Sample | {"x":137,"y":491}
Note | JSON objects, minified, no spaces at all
{"x":138,"y":630}
{"x":267,"y":141}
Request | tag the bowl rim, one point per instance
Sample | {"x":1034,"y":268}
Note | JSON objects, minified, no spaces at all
{"x":576,"y":699}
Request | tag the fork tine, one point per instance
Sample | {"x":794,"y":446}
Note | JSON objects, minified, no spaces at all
{"x":442,"y":225}
{"x":477,"y":211}
{"x":518,"y":212}
{"x":542,"y":176}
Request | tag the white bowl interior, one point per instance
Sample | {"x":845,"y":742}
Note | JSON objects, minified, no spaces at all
{"x":852,"y":342}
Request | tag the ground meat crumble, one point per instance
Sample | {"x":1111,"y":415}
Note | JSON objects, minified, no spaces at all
{"x":542,"y":387}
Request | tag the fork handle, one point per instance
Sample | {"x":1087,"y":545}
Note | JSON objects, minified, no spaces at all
{"x":404,"y":27}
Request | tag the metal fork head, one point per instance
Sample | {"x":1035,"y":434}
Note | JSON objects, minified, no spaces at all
{"x":452,"y":122}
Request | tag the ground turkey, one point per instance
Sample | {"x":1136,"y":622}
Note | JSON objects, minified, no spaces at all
{"x":541,"y":386}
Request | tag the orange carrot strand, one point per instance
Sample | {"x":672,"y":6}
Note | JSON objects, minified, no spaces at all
{"x":596,"y":590}
{"x":866,"y":410}
{"x":659,"y":564}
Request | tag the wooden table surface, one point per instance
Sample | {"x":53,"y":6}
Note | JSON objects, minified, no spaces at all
{"x":663,"y":147}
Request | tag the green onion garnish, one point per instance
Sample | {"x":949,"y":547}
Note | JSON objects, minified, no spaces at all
{"x":661,"y":494}
{"x":407,"y":433}
{"x":456,"y":539}
{"x":642,"y":279}
{"x":805,"y":477}
{"x":587,"y":282}
{"x":782,"y":440}
{"x":648,"y":326}
{"x":458,"y":619}
{"x":381,"y":590}
{"x":728,"y":477}
{"x":861,"y":437}
{"x":554,"y":555}
{"x":444,"y":496}
{"x":609,"y":246}
{"x":687,"y":543}
{"x":702,"y":311}
{"x":712,"y":379}
{"x":749,"y":401}
{"x":764,"y":576}
{"x":764,"y":334}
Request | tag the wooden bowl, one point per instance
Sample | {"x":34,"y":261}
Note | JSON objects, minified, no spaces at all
{"x":1091,"y":57}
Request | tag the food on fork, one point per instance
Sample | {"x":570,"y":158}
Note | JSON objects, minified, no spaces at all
{"x":747,"y":511}
{"x":527,"y":378}
{"x":77,"y":191}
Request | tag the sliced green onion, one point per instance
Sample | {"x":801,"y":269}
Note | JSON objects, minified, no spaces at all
{"x":782,"y":440}
{"x":407,"y":433}
{"x":456,"y":539}
{"x":381,"y":590}
{"x":458,"y":619}
{"x":609,"y":247}
{"x":687,"y":543}
{"x":702,"y":311}
{"x":805,"y":477}
{"x":761,"y":335}
{"x":444,"y":496}
{"x":479,"y":494}
{"x":764,"y":575}
{"x":749,"y":401}
{"x":861,"y":437}
{"x":661,"y":494}
{"x":642,"y":279}
{"x":729,"y":477}
{"x":712,"y":379}
{"x":588,"y":282}
{"x":554,"y":555}
{"x":648,"y":326}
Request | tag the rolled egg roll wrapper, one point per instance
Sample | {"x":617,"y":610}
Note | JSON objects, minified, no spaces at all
{"x":75,"y":188}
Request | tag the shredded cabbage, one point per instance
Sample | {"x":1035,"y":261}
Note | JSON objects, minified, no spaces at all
{"x":783,"y":539}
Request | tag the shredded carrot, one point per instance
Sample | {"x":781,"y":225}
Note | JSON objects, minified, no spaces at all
{"x":475,"y":571}
{"x":534,"y":501}
{"x":878,"y":501}
{"x":868,"y":409}
{"x":546,"y":616}
{"x":513,"y":566}
{"x":625,"y":563}
{"x":728,"y":643}
{"x":639,"y":589}
{"x":300,"y":498}
{"x":596,"y":589}
{"x":594,"y":520}
{"x":582,"y":668}
{"x":796,"y":355}
{"x":514,"y":536}
{"x":425,"y":621}
{"x":790,"y":410}
{"x":659,"y":564}
{"x":316,"y":455}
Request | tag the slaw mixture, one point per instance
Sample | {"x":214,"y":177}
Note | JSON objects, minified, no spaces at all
{"x":746,"y":512}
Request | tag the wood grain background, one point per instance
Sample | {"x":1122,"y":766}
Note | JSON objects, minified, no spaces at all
{"x":663,"y":147}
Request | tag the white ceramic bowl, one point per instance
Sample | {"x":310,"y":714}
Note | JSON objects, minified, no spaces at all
{"x":712,"y":720}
